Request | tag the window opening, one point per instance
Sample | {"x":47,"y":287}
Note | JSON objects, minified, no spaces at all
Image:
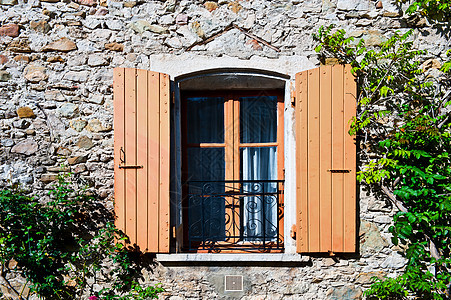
{"x":232,"y":170}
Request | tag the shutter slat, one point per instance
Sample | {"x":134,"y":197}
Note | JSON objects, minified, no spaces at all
{"x":301,"y":162}
{"x":142,"y":138}
{"x":164,"y":163}
{"x":142,"y":119}
{"x":154,"y":160}
{"x":119,"y":135}
{"x":130,"y":153}
{"x":326,"y":158}
{"x":313,"y":160}
{"x":326,"y":207}
{"x":350,"y":163}
{"x":337,"y":158}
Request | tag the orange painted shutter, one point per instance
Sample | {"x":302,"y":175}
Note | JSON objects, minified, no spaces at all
{"x":141,"y":157}
{"x":325,"y":160}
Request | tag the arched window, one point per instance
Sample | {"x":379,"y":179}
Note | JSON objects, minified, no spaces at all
{"x":232,"y":160}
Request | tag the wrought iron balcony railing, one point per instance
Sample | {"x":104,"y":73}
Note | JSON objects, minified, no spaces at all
{"x":245,"y":215}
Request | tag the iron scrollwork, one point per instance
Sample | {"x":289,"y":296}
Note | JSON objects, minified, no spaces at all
{"x":235,"y":215}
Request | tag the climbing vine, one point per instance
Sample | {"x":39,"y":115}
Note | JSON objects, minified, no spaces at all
{"x":404,"y":127}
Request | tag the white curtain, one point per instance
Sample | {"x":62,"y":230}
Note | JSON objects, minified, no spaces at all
{"x":258,"y":122}
{"x":260,"y":211}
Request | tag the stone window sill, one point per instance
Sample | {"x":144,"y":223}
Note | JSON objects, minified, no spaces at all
{"x":231,"y":258}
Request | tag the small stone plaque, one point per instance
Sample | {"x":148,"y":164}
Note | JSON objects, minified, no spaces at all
{"x":233,"y":283}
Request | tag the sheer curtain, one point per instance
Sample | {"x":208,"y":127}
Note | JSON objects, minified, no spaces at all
{"x":260,"y":212}
{"x":258,"y":124}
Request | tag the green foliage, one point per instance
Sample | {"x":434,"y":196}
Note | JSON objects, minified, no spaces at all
{"x":137,"y":292}
{"x":403,"y":124}
{"x":60,"y":244}
{"x":439,"y":10}
{"x":389,"y":288}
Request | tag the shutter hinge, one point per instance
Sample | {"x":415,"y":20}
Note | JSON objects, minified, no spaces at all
{"x":293,"y":98}
{"x":293,"y":232}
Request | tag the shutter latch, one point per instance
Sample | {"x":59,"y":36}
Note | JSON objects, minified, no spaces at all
{"x":122,"y":164}
{"x":339,"y":171}
{"x":130,"y":167}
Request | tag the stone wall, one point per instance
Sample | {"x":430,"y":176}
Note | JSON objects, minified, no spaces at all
{"x":56,"y":66}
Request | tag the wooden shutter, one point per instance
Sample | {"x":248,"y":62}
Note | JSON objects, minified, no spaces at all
{"x":326,"y":203}
{"x":141,"y":157}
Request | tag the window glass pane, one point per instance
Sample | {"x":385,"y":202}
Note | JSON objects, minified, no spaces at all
{"x":205,"y":120}
{"x":206,"y":164}
{"x":258,"y":119}
{"x":260,"y":210}
{"x":206,"y":213}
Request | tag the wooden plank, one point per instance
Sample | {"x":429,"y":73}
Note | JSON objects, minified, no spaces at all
{"x":314,"y":160}
{"x":119,"y":135}
{"x":236,"y":140}
{"x":325,"y":158}
{"x":206,"y":145}
{"x":164,"y":164}
{"x":141,"y":179}
{"x":130,"y":153}
{"x":275,"y":144}
{"x":281,"y":164}
{"x":229,"y":152}
{"x":337,"y":158}
{"x":228,"y":138}
{"x":301,"y":113}
{"x":349,"y":163}
{"x":153,"y":159}
{"x":236,"y":166}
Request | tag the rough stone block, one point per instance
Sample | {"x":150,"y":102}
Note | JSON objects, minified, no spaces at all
{"x":22,"y":57}
{"x":114,"y":47}
{"x":63,"y":45}
{"x":345,"y":292}
{"x":95,"y":125}
{"x":97,"y":60}
{"x":11,"y":30}
{"x":81,"y":76}
{"x":77,"y":159}
{"x":40,"y":26}
{"x":63,"y":151}
{"x":371,"y":240}
{"x":210,"y":5}
{"x":47,"y":178}
{"x":68,"y":110}
{"x":85,"y":142}
{"x":78,"y":125}
{"x":35,"y":73}
{"x":27,"y":147}
{"x":8,"y":2}
{"x":4,"y":76}
{"x":19,"y":46}
{"x":25,"y":112}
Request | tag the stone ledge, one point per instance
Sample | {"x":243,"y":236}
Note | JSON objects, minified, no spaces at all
{"x":232,"y":257}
